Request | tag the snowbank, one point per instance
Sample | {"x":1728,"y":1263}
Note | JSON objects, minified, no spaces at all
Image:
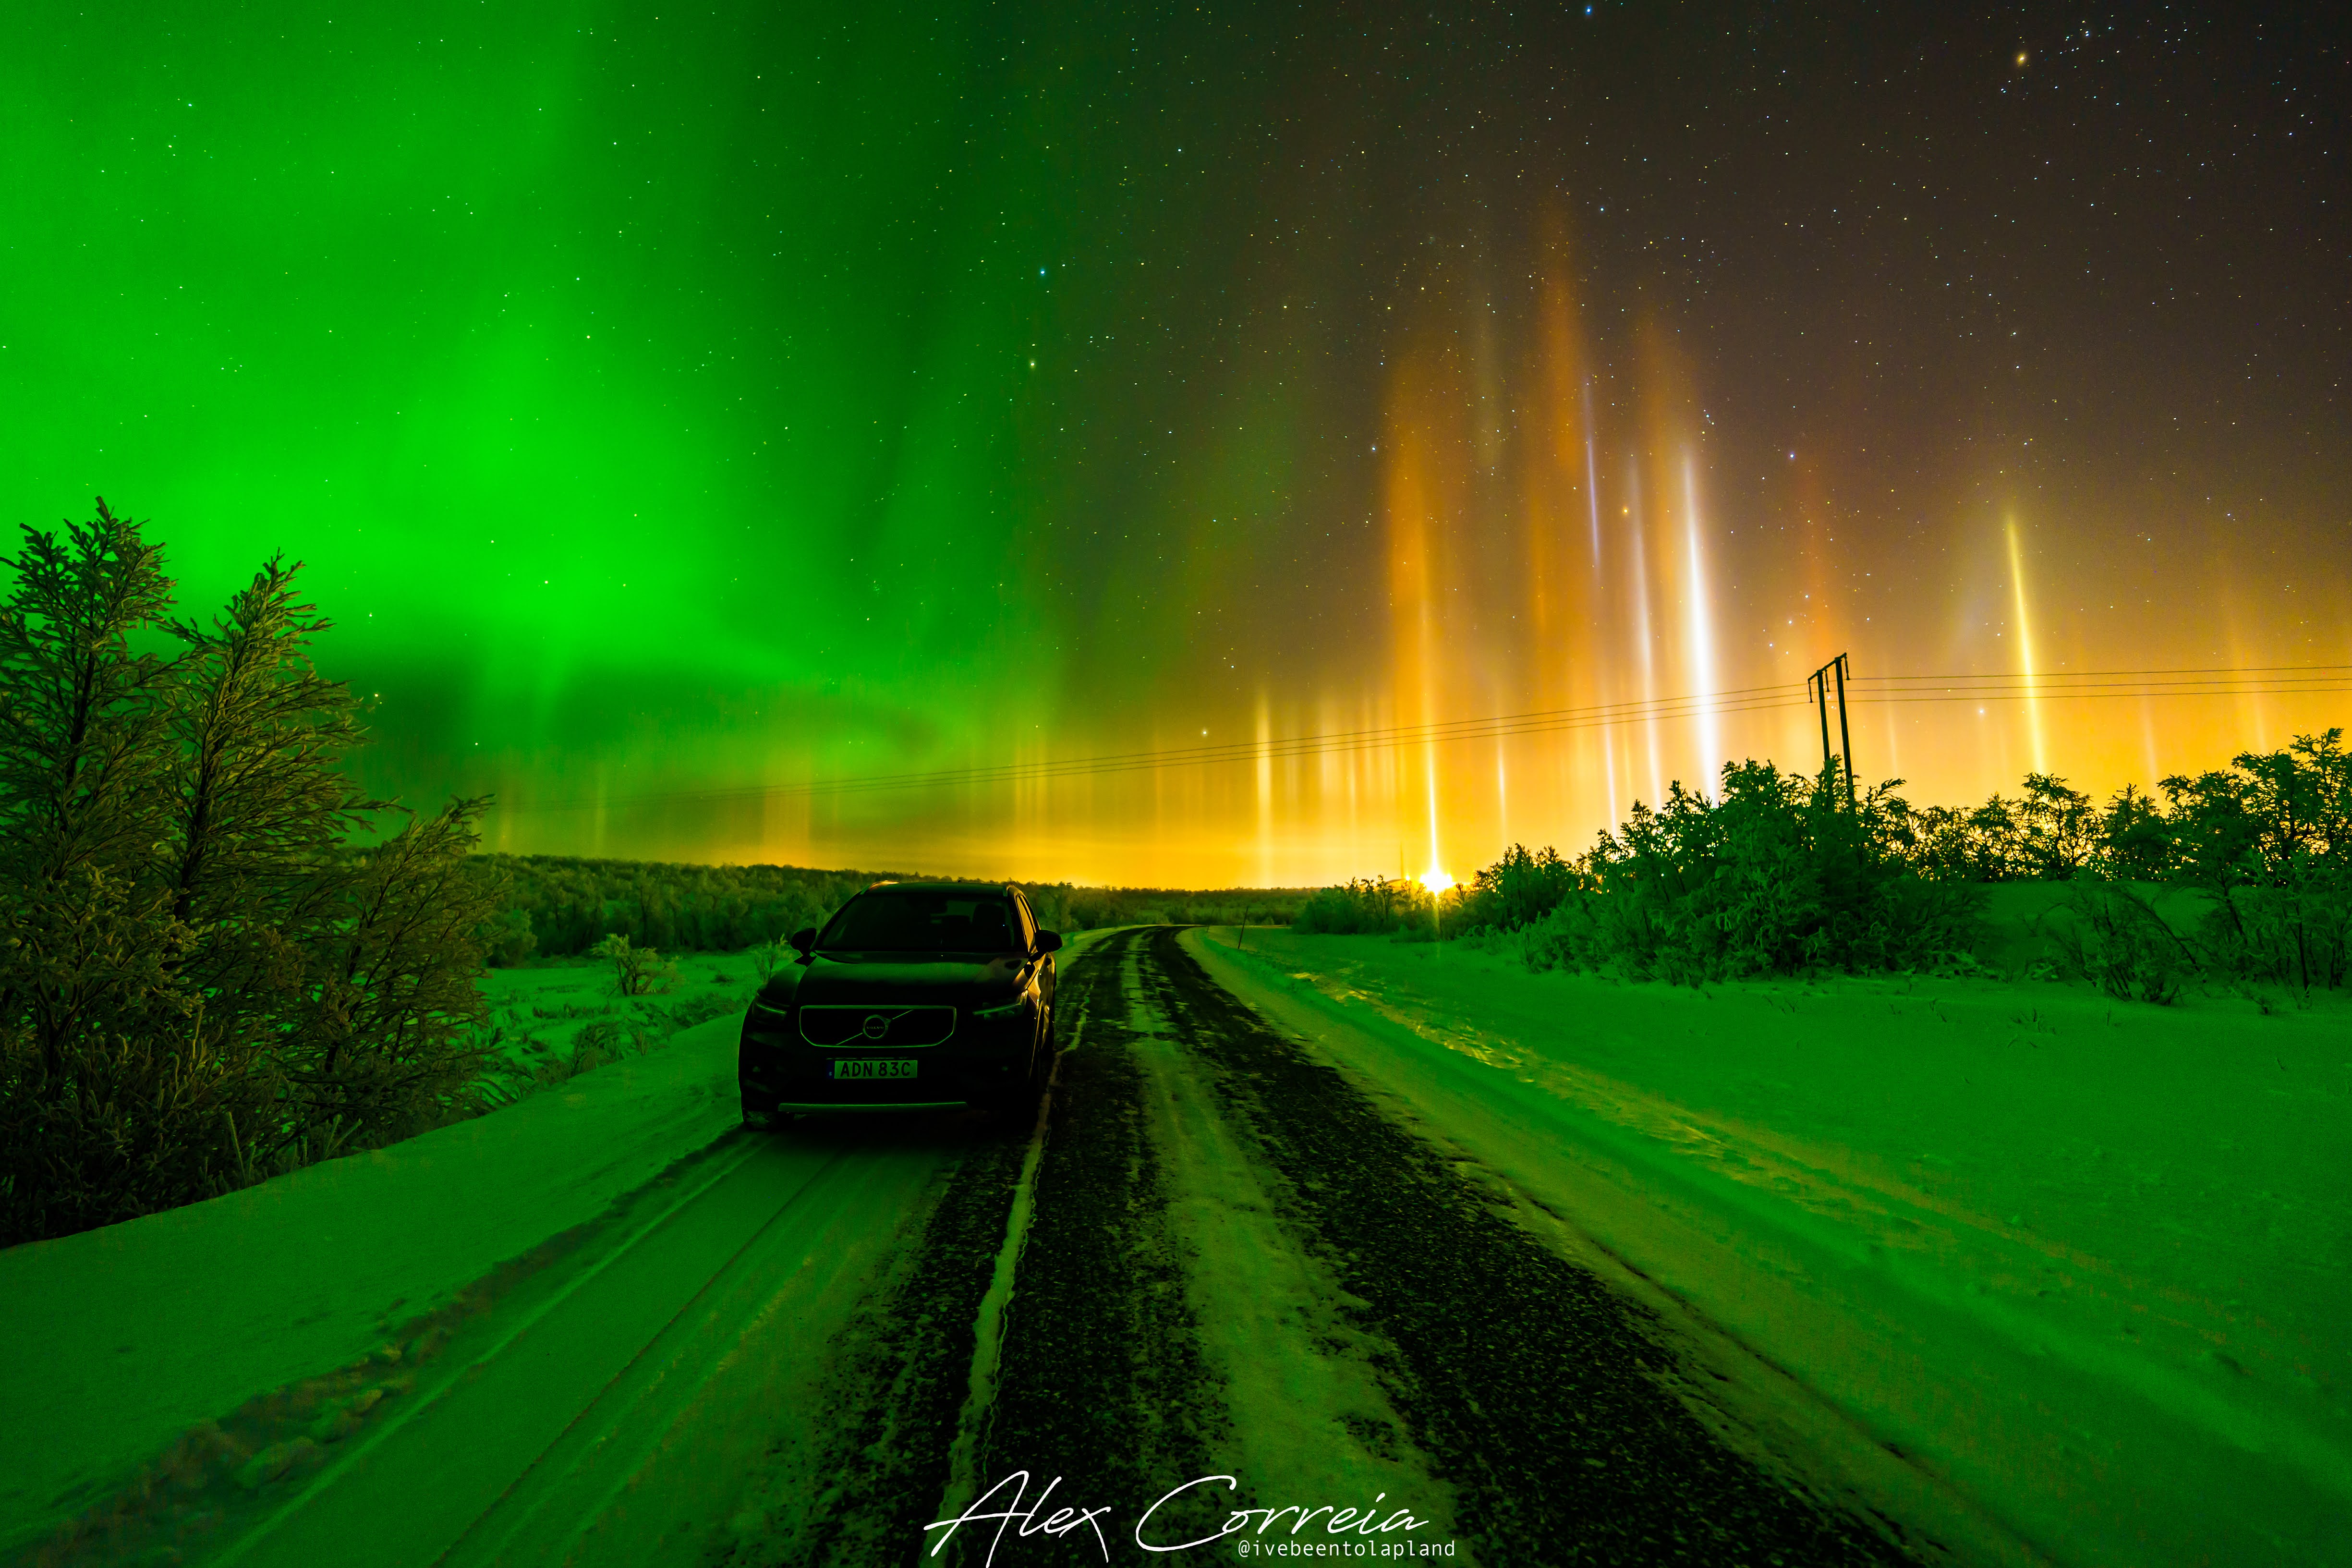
{"x":2090,"y":1262}
{"x":124,"y":1337}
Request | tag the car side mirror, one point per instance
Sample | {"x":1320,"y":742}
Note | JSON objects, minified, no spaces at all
{"x":803,"y":940}
{"x":1049,"y":941}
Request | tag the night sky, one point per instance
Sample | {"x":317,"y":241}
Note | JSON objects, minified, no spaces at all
{"x":680,"y":408}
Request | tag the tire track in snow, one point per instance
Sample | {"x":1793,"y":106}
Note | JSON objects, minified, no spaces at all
{"x":222,"y":1491}
{"x":543,"y":1388}
{"x":853,"y":1478}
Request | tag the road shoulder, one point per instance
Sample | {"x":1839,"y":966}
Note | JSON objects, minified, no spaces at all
{"x":1671,"y":1248}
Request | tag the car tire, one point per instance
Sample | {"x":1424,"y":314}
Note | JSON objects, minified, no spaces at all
{"x":1021,"y":1099}
{"x":1049,"y":1054}
{"x":1041,"y":1070}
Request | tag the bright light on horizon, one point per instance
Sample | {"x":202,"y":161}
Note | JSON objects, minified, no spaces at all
{"x":1436,"y":881}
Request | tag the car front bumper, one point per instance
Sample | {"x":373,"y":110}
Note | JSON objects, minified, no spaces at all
{"x":779,"y":1072}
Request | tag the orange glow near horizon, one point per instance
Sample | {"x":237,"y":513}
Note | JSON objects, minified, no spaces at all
{"x":1556,"y":532}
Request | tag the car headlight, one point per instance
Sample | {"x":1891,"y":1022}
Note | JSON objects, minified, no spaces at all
{"x":773,"y":1011}
{"x":1011,"y":1009}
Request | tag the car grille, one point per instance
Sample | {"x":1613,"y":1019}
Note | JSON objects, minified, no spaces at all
{"x":827,"y":1024}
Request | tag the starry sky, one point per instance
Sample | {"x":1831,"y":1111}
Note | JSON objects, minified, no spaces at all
{"x":812,"y":433}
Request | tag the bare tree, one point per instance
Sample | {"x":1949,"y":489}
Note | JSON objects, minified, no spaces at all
{"x":115,"y":1095}
{"x":202,"y":981}
{"x":259,"y":809}
{"x":385,"y":1045}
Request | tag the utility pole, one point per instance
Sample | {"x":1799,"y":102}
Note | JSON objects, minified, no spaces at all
{"x":1818,"y":684}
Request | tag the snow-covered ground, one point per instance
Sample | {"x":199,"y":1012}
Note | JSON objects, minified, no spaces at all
{"x":128,"y":1338}
{"x":540,"y":1015}
{"x":2089,"y":1263}
{"x":2037,"y":1275}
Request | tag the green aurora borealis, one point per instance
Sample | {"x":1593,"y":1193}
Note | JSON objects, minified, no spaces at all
{"x":674,"y":401}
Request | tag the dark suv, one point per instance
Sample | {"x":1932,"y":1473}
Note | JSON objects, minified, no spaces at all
{"x":915,"y":997}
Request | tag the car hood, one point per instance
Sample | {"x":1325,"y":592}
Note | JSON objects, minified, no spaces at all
{"x":854,"y":981}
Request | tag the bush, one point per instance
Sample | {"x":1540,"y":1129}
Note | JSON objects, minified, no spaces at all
{"x":2049,"y":834}
{"x":769,"y":956}
{"x":2122,"y":944}
{"x":1518,"y":889}
{"x":2133,"y":846}
{"x":115,"y":1098}
{"x":1778,"y":875}
{"x":2271,"y":841}
{"x":380,"y":1038}
{"x":1364,"y":906}
{"x":636,"y":970}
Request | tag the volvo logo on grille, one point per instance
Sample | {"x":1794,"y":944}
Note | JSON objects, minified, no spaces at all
{"x":850,"y":1022}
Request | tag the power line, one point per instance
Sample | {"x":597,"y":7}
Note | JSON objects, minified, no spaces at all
{"x":2061,"y":694}
{"x":2219,"y":670}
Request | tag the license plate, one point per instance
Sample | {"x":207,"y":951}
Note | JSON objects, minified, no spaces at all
{"x":873,"y":1067}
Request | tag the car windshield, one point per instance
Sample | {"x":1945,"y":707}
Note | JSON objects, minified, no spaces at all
{"x":916,"y":922}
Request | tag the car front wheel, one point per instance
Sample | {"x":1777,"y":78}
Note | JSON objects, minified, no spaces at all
{"x":1041,"y":1067}
{"x":1020,"y":1099}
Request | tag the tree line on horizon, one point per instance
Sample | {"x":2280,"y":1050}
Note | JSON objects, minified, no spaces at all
{"x":557,"y":906}
{"x":1778,"y":873}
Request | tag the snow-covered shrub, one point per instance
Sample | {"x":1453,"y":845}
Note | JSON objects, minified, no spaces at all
{"x":2120,"y":943}
{"x":1778,"y":874}
{"x":636,"y":970}
{"x":2270,"y":842}
{"x":2050,"y":833}
{"x":1518,"y":889}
